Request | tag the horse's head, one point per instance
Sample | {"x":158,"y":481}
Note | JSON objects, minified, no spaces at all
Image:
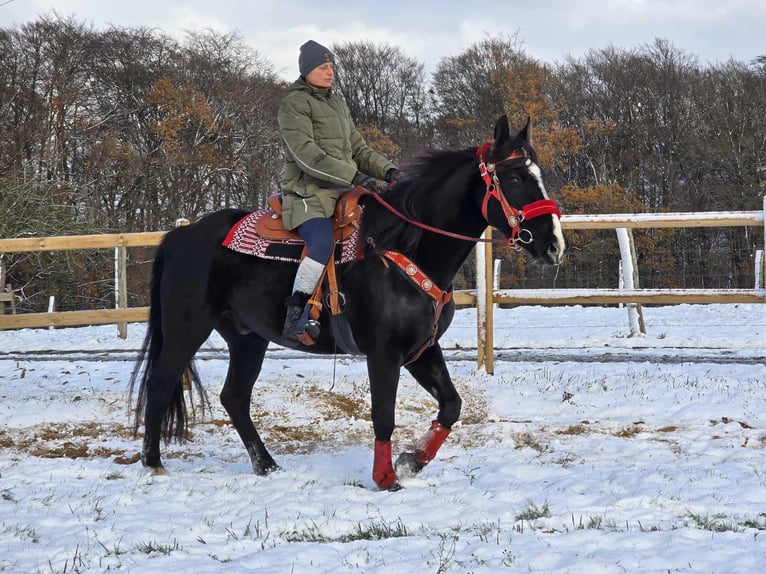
{"x":515,"y":201}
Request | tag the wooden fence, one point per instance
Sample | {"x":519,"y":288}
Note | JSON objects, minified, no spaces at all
{"x":486,"y":298}
{"x":483,"y":298}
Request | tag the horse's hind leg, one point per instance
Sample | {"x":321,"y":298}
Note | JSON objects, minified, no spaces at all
{"x":430,"y":371}
{"x":246,"y":353}
{"x":164,"y":410}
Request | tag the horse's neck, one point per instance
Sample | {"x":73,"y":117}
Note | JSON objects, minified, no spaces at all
{"x":441,"y":255}
{"x":450,"y":207}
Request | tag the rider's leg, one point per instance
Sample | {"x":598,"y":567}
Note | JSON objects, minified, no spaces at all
{"x":317,"y":234}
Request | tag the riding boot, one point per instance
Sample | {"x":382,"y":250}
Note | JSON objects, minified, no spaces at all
{"x":299,"y":329}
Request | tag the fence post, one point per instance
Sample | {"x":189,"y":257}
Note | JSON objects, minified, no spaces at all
{"x":629,"y":270}
{"x":763,"y":254}
{"x":121,"y":286}
{"x":6,"y":292}
{"x":484,"y":305}
{"x":496,"y":278}
{"x":51,"y":308}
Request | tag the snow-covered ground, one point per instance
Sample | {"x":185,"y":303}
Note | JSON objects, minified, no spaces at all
{"x":586,"y":451}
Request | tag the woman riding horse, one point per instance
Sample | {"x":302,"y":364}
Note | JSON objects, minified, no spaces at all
{"x":416,"y":236}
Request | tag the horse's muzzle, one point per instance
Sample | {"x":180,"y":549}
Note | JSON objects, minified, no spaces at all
{"x":555,"y":250}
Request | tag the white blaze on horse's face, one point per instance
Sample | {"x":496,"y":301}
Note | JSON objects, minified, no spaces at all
{"x":556,"y":251}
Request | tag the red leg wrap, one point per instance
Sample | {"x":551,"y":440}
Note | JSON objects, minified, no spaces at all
{"x":428,"y":445}
{"x":383,"y":472}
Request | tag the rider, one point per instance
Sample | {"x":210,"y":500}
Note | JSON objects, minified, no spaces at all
{"x":324,"y":157}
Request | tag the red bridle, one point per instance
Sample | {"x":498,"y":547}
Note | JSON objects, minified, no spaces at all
{"x":514,"y":216}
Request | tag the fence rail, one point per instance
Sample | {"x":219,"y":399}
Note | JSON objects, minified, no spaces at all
{"x":72,"y":242}
{"x":483,"y":298}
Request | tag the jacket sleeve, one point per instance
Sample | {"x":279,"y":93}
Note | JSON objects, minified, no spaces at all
{"x":297,"y":131}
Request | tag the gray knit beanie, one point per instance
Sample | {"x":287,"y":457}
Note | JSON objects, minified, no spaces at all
{"x":313,"y":55}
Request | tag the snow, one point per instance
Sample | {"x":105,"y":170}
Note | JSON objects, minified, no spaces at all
{"x":587,"y":451}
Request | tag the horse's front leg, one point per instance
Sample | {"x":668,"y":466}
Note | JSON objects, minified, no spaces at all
{"x":430,"y":371}
{"x":383,"y":371}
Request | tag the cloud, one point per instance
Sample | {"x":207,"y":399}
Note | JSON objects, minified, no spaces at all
{"x":187,"y":18}
{"x":429,"y":30}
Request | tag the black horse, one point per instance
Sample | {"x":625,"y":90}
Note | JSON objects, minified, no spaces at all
{"x":416,"y":235}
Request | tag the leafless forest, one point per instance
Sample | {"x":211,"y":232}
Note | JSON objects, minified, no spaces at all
{"x":128,"y":129}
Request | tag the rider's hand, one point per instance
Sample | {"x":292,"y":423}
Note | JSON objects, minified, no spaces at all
{"x":365,"y":181}
{"x":393,"y":175}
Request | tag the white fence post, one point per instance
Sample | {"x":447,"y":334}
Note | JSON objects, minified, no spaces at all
{"x":496,"y":278}
{"x":629,"y":270}
{"x":51,"y":307}
{"x":763,"y":252}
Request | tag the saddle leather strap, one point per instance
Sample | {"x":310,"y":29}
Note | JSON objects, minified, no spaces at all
{"x":439,"y":296}
{"x":347,"y":212}
{"x":333,"y":294}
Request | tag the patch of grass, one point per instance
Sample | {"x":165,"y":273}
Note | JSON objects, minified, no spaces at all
{"x":65,"y":440}
{"x":573,"y":430}
{"x":715,"y":523}
{"x":26,"y":533}
{"x":446,"y":552}
{"x":114,"y":550}
{"x":628,"y":432}
{"x":532,"y":512}
{"x":156,"y":547}
{"x":371,"y":531}
{"x":122,"y":459}
{"x":526,"y":439}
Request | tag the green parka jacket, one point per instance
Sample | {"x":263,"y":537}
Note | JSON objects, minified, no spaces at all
{"x":323,"y":151}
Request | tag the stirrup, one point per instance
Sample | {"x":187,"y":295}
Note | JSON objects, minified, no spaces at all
{"x":310,"y":333}
{"x":305,"y":330}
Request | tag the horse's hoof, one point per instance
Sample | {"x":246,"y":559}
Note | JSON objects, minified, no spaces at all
{"x":158,"y":471}
{"x":268,"y":470}
{"x":406,"y":466}
{"x":395,"y":487}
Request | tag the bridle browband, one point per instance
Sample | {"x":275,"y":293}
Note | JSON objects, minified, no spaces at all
{"x":515,"y":217}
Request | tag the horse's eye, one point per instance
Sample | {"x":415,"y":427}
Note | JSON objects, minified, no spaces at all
{"x":514,"y":180}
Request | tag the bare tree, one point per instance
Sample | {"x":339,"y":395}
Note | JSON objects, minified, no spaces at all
{"x":384,"y":88}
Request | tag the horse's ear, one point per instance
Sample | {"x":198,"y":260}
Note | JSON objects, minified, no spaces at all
{"x":502,"y":131}
{"x":526,"y":131}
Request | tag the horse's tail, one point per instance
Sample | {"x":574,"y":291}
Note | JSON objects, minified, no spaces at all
{"x":175,"y":418}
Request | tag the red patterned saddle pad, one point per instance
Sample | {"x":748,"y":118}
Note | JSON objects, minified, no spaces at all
{"x":243,"y":238}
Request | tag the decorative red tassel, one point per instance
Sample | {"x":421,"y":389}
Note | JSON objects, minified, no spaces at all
{"x":427,"y":447}
{"x":383,"y":472}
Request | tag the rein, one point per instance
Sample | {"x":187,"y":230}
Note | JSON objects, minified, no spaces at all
{"x":514,"y":216}
{"x":422,"y":225}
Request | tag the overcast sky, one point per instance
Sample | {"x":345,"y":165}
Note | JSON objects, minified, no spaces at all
{"x":429,"y":30}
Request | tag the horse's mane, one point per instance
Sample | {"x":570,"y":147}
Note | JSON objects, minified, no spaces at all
{"x":427,"y":178}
